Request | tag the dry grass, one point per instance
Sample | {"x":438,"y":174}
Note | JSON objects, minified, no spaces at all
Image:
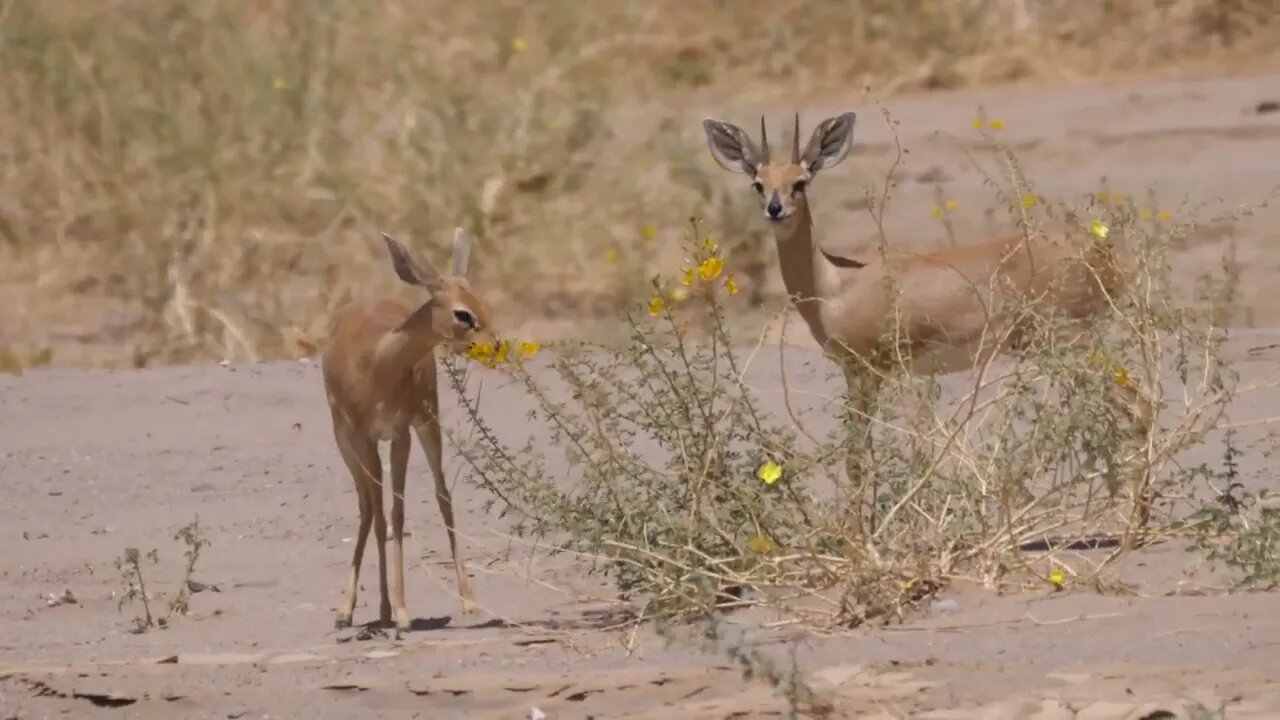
{"x":206,"y":180}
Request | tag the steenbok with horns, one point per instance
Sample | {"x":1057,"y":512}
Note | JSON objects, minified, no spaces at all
{"x":937,"y":310}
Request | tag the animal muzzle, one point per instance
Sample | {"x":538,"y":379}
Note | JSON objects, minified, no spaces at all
{"x":774,"y":210}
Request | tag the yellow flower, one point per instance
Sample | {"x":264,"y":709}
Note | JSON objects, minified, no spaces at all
{"x":759,"y":544}
{"x":710,"y":268}
{"x":655,"y":306}
{"x":1099,"y":229}
{"x":769,"y":473}
{"x":1121,"y":377}
{"x":730,"y":285}
{"x":1117,"y":197}
{"x":977,"y":123}
{"x":1057,"y":578}
{"x":1145,"y":214}
{"x":611,"y":255}
{"x":528,"y":349}
{"x":952,"y":205}
{"x":1164,"y":216}
{"x":1029,"y":200}
{"x":649,"y":232}
{"x":679,"y":294}
{"x":937,"y":212}
{"x":518,"y":45}
{"x":279,"y":83}
{"x":487,"y":353}
{"x":997,"y":124}
{"x":687,"y":278}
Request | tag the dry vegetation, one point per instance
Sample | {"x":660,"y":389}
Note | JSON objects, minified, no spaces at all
{"x":695,"y":491}
{"x":206,"y":180}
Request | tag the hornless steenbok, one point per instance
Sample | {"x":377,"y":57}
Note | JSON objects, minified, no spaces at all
{"x":948,"y":313}
{"x":380,"y":378}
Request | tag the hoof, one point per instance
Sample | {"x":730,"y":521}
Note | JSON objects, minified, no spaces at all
{"x":342,"y":621}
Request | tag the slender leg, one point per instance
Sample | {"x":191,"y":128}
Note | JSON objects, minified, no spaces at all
{"x":428,"y":430}
{"x":862,"y":384}
{"x":380,"y":537}
{"x":358,"y":454}
{"x":399,"y":464}
{"x":1138,"y":410}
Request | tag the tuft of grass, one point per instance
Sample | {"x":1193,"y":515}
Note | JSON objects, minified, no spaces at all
{"x":206,"y":180}
{"x":130,"y":566}
{"x":1239,"y":527}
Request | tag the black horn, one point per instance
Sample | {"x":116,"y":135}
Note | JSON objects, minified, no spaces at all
{"x":795,"y":142}
{"x":764,"y":141}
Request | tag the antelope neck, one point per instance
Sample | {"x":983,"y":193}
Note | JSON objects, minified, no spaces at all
{"x":808,"y":272}
{"x":400,"y":349}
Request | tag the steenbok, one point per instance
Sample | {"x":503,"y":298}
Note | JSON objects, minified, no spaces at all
{"x":380,"y":379}
{"x":938,"y":311}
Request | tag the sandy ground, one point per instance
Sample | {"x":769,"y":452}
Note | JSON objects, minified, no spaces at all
{"x":95,"y":462}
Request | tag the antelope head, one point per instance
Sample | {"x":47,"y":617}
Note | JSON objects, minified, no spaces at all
{"x":781,"y":186}
{"x":453,"y":313}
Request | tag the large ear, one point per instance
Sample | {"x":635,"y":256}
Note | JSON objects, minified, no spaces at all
{"x":461,"y":252}
{"x":830,"y":143}
{"x":731,"y":147}
{"x":408,"y":270}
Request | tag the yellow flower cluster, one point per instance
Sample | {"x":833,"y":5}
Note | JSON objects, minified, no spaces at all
{"x":707,"y":270}
{"x":492,"y":354}
{"x":947,"y":207}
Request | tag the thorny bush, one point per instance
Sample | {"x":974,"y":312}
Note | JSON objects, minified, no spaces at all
{"x":662,"y":457}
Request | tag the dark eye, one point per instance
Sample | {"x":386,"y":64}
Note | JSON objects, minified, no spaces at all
{"x":465,"y":318}
{"x":758,"y":187}
{"x":799,"y":186}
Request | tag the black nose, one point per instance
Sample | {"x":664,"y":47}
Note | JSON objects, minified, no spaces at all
{"x":775,"y":209}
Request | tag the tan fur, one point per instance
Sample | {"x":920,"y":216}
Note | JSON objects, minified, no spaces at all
{"x":948,"y":300}
{"x":379,"y":373}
